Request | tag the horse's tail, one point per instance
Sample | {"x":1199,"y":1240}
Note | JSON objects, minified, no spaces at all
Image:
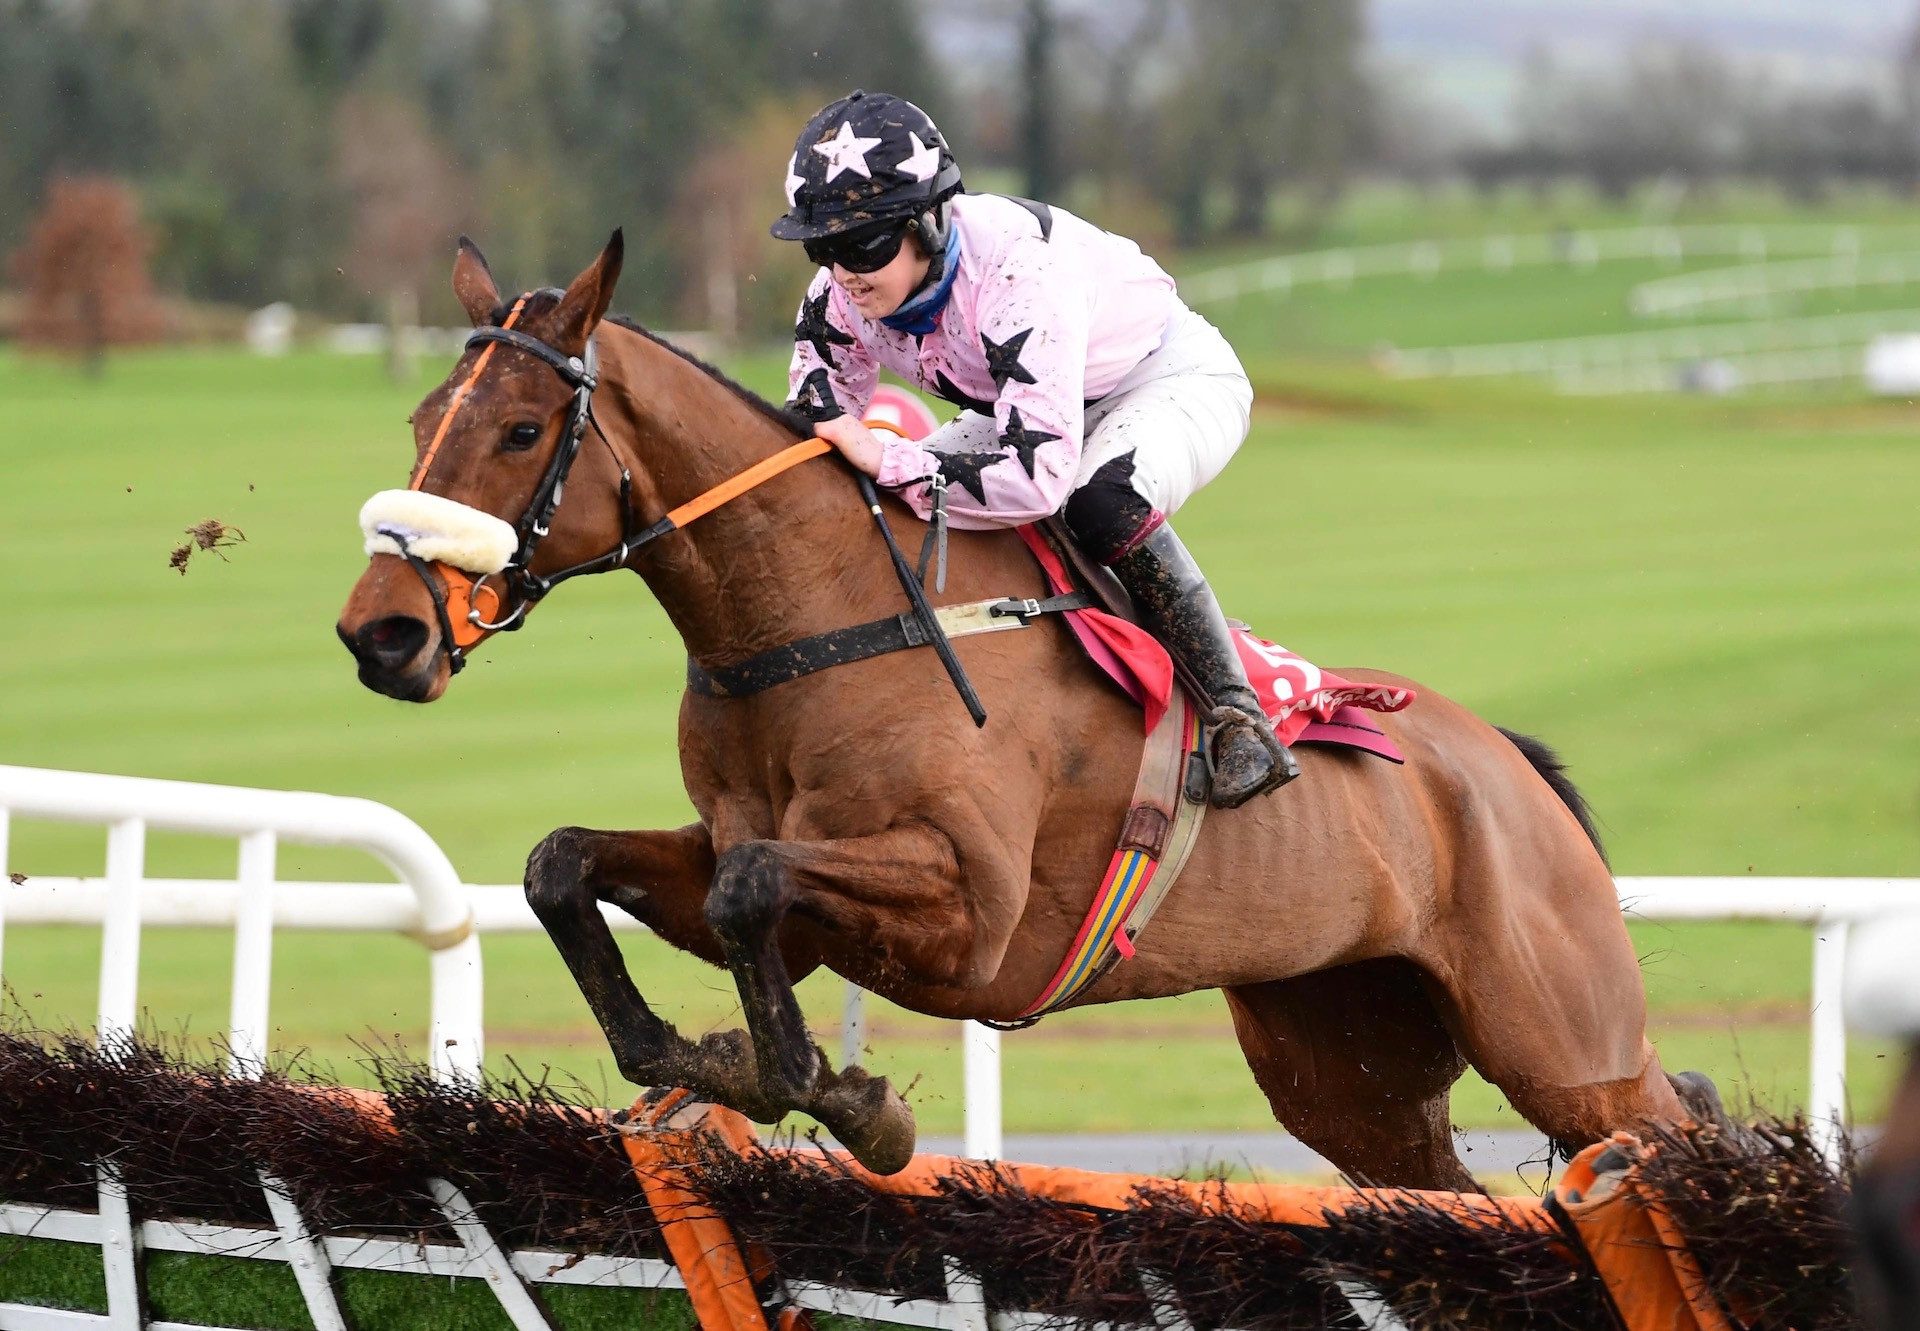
{"x":1547,"y":763}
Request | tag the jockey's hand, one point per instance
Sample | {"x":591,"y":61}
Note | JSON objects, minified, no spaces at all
{"x":857,"y":444}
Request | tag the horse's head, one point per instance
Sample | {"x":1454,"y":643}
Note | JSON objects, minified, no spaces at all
{"x":479,"y":535}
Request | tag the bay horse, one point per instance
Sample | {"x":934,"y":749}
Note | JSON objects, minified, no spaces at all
{"x":1374,"y":928}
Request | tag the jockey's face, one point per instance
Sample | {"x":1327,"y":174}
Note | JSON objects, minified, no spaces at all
{"x":881,"y":292}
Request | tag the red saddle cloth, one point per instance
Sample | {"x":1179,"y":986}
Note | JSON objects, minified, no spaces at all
{"x":1307,"y":705}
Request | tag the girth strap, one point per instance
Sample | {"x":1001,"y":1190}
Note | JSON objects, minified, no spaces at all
{"x":860,"y":642}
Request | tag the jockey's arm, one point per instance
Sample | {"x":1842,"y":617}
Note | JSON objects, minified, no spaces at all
{"x":832,"y":373}
{"x":1033,"y":332}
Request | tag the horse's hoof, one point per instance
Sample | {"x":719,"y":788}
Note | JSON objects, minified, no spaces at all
{"x":868,"y":1117}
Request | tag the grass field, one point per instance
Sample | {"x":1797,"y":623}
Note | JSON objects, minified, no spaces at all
{"x":1711,"y":607}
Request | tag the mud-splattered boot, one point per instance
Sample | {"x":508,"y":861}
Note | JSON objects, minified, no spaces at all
{"x":1177,"y":606}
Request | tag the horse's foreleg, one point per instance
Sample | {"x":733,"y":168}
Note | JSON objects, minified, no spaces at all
{"x":857,"y":882}
{"x":660,"y":878}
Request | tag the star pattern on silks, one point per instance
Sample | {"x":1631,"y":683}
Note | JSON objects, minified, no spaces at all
{"x":1003,"y":358}
{"x":846,"y":151}
{"x":816,"y":400}
{"x":813,"y":327}
{"x":959,"y":396}
{"x":1023,"y":443}
{"x":964,"y":469}
{"x":923,"y":162}
{"x":794,"y":181}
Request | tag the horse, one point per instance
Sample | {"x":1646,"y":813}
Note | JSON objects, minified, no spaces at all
{"x":1375,"y":928}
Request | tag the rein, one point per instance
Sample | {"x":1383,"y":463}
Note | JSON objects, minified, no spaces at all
{"x":463,"y":602}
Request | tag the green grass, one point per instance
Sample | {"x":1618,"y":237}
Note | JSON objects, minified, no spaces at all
{"x":201,"y":1290}
{"x":1711,"y":608}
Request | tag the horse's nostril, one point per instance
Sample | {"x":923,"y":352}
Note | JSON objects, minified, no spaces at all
{"x":389,"y":643}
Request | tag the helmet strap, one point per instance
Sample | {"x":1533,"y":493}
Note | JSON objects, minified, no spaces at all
{"x":931,"y":229}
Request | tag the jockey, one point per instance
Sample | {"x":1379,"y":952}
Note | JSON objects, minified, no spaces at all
{"x":1089,"y":389}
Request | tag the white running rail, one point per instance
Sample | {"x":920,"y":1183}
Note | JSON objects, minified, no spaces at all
{"x":1429,"y":257}
{"x":1759,"y":286}
{"x":437,"y":911}
{"x":432,"y":905}
{"x":1565,"y":356}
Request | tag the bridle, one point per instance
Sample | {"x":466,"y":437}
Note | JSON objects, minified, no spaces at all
{"x":460,"y":599}
{"x":582,"y":375}
{"x":466,"y":605}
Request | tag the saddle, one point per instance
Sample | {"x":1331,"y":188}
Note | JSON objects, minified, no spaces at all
{"x":1306,"y":704}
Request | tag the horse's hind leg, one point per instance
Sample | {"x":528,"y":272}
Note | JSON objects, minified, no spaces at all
{"x":1544,"y":996}
{"x":1357,"y":1065}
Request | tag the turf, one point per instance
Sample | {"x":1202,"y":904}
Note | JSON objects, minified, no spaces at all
{"x":1710,"y":607}
{"x":195,"y":1290}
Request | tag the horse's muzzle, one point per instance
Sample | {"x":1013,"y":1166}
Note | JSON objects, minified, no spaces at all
{"x":390,"y":653}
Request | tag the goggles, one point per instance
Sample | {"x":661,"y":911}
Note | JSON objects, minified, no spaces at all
{"x":863,"y":251}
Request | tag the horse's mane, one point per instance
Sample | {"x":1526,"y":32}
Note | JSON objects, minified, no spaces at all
{"x":791,"y":421}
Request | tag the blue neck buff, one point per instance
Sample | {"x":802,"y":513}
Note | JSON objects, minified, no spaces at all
{"x":919,"y":315}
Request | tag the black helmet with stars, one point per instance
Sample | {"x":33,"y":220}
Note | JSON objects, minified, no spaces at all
{"x":869,"y":157}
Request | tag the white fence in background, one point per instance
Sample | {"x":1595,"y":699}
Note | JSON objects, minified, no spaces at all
{"x":1571,"y":248}
{"x":1757,"y":287}
{"x":1823,"y":346}
{"x":432,"y":906}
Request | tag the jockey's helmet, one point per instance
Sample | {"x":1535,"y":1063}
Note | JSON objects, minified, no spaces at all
{"x":869,"y":161}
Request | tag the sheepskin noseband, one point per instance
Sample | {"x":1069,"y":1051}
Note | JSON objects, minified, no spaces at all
{"x":437,"y":529}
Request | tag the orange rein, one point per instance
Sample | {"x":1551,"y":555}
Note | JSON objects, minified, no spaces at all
{"x":465,"y":593}
{"x":736,"y":486}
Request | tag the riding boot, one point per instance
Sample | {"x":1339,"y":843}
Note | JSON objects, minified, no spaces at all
{"x":1176,"y":605}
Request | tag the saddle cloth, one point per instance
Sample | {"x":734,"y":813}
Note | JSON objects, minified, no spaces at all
{"x":1307,"y":705}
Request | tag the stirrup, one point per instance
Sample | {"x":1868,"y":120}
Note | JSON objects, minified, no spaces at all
{"x":1284,"y":768}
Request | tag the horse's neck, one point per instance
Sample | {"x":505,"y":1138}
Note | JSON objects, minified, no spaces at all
{"x":787,"y":559}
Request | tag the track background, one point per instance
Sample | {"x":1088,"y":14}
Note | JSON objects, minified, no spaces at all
{"x":1711,"y":607}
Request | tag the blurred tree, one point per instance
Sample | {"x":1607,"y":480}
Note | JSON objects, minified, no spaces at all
{"x":1690,"y":115}
{"x":1907,"y":86}
{"x":407,"y":199}
{"x":569,"y":117}
{"x":333,"y":41}
{"x":879,"y":44}
{"x":1272,"y":93}
{"x":1122,"y":65}
{"x":83,"y":272}
{"x":1040,"y":107}
{"x":749,"y":282}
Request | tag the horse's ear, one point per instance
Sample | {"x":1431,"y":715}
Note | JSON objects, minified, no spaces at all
{"x":587,"y":298}
{"x":473,"y":283}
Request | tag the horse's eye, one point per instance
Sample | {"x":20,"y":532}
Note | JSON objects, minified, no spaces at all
{"x":522,"y":436}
